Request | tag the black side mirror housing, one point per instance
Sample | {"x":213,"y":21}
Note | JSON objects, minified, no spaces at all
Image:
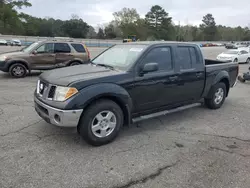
{"x":150,"y":67}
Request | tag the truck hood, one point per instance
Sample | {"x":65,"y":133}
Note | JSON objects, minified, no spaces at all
{"x":68,"y":75}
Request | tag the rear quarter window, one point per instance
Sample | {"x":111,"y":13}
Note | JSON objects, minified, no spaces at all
{"x":78,"y":47}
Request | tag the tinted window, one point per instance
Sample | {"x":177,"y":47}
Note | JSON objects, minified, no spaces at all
{"x":62,"y":48}
{"x":78,"y":48}
{"x":46,"y":48}
{"x":184,"y":57}
{"x":160,"y":55}
{"x":194,"y":56}
{"x":244,"y":52}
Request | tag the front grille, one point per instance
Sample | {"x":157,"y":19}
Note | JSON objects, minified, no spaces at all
{"x":52,"y":92}
{"x":45,"y":90}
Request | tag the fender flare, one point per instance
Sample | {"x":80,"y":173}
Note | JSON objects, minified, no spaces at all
{"x":12,"y":61}
{"x":222,"y":76}
{"x":104,"y":91}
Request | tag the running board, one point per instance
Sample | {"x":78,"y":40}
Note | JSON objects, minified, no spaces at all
{"x":165,"y":112}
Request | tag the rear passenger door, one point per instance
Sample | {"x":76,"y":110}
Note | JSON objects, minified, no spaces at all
{"x":63,"y":54}
{"x":191,"y":73}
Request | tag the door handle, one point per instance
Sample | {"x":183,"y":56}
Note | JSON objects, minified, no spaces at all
{"x":199,"y":74}
{"x":173,"y":78}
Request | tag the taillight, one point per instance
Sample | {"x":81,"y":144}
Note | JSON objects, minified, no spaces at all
{"x":87,"y":51}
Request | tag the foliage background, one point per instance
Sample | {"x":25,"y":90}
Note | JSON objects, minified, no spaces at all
{"x":156,"y":25}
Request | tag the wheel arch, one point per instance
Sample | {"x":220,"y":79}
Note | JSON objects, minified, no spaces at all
{"x":18,"y":61}
{"x":125,"y":108}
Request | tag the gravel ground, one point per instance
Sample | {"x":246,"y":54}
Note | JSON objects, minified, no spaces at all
{"x":196,"y":148}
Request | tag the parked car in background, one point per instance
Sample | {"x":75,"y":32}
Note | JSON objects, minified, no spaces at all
{"x":237,"y":55}
{"x":43,"y":55}
{"x":3,"y":42}
{"x":15,"y":42}
{"x":131,"y":82}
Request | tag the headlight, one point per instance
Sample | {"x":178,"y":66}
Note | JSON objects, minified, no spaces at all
{"x":64,"y":93}
{"x":3,"y":58}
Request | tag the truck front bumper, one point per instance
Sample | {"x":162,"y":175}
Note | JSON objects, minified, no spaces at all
{"x":58,"y":117}
{"x":3,"y":66}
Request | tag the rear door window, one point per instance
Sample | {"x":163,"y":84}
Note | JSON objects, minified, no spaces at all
{"x":62,"y":48}
{"x":187,"y":57}
{"x":78,"y":47}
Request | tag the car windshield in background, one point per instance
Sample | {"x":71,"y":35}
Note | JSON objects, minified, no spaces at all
{"x":120,"y":56}
{"x":231,"y":52}
{"x":30,"y":47}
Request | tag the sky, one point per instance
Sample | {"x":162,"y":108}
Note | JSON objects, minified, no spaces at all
{"x":98,"y":12}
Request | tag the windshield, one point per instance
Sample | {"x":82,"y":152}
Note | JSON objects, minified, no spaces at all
{"x":120,"y":56}
{"x":30,"y":47}
{"x":231,"y":52}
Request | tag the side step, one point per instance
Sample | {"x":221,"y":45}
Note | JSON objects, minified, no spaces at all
{"x":162,"y":113}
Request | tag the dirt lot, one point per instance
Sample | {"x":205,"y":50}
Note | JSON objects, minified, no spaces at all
{"x":196,"y":148}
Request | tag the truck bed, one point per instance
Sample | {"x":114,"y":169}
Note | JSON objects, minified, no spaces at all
{"x":214,"y":67}
{"x":215,"y":62}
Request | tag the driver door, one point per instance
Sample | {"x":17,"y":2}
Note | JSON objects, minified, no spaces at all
{"x":43,"y":57}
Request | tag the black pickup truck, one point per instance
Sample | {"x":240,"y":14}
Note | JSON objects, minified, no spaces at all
{"x":131,"y":82}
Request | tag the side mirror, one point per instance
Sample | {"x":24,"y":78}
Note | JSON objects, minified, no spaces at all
{"x":239,"y":53}
{"x":150,"y":67}
{"x":34,"y":52}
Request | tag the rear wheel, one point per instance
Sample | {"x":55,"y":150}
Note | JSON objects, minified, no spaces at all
{"x":74,"y":63}
{"x":217,"y":97}
{"x":101,"y":122}
{"x":248,"y":60}
{"x":18,"y":70}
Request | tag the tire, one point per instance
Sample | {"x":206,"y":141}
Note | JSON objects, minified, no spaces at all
{"x":18,"y":70}
{"x":215,"y":102}
{"x":241,"y":79}
{"x":248,"y":60}
{"x":235,"y":60}
{"x":100,"y":110}
{"x":74,"y":63}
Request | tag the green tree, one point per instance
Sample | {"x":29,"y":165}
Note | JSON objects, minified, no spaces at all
{"x":91,"y":33}
{"x":157,"y":16}
{"x":110,"y":31}
{"x":126,"y":16}
{"x":209,"y":27}
{"x":100,"y":34}
{"x":160,"y":23}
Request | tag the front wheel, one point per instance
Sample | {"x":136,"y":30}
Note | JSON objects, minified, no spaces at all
{"x":248,"y":60}
{"x":235,"y":60}
{"x":101,"y":122}
{"x":217,"y":97}
{"x":18,"y":70}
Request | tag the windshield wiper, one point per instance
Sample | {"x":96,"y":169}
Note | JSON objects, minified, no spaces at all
{"x":104,"y":65}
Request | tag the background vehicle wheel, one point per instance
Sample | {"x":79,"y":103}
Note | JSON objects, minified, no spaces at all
{"x":101,"y":122}
{"x":74,"y":63}
{"x":241,"y":79}
{"x":218,"y":94}
{"x":248,"y":60}
{"x":236,"y":60}
{"x":18,"y":70}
